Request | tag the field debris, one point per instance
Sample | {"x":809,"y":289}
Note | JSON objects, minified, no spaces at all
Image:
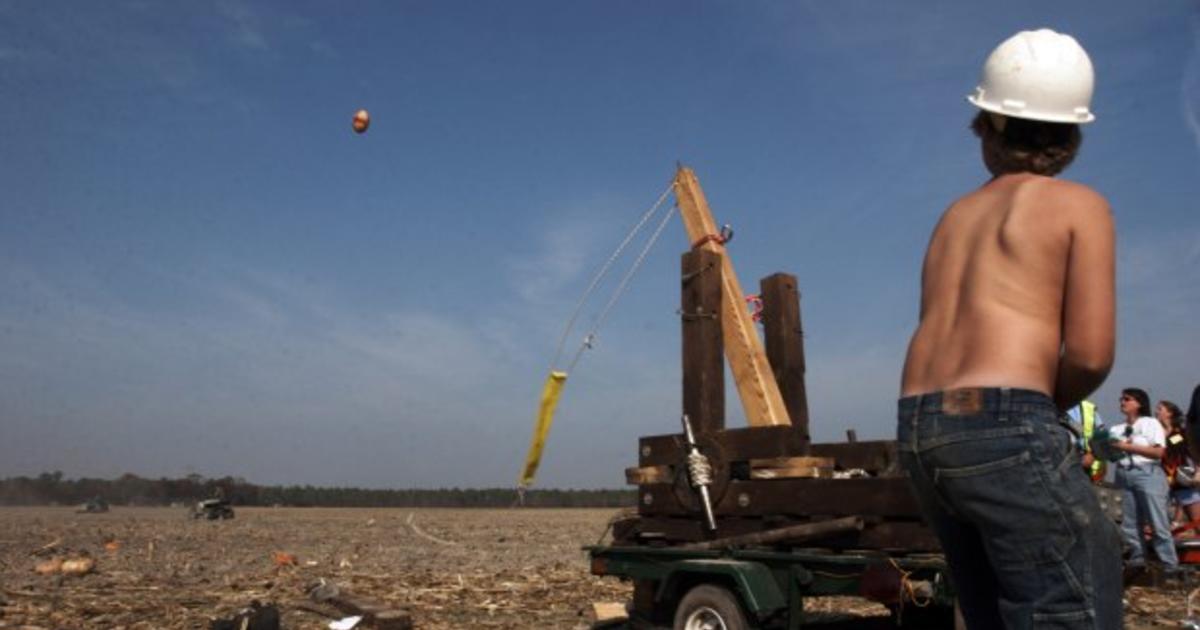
{"x":49,"y":567}
{"x":256,"y":616}
{"x":510,"y":569}
{"x":609,"y":612}
{"x":66,"y":566}
{"x":418,"y":531}
{"x":359,"y":608}
{"x":348,"y":623}
{"x":47,"y":548}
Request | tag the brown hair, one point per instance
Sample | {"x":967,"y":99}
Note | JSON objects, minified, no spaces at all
{"x":1026,"y":145}
{"x":1176,"y":413}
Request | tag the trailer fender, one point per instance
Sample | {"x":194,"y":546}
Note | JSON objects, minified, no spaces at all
{"x":759,"y":591}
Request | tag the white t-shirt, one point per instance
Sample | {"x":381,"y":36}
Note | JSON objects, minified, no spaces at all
{"x":1147,"y":431}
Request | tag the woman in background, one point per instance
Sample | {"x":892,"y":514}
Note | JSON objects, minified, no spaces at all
{"x":1140,"y":476}
{"x":1193,"y":424}
{"x":1178,"y":464}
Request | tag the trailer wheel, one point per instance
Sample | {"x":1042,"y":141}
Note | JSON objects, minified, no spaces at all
{"x":709,"y":607}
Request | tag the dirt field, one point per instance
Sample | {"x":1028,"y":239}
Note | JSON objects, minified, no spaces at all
{"x":448,"y":568}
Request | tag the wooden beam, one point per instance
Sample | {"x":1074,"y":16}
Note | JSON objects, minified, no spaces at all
{"x":889,"y":497}
{"x":649,"y":474}
{"x":738,"y":444}
{"x":791,"y":467}
{"x":784,"y":339}
{"x":792,"y":462}
{"x":761,"y":400}
{"x":790,"y":534}
{"x":703,"y":365}
{"x":877,"y":457}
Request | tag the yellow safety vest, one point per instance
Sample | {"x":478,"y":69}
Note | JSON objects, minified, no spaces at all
{"x":1087,"y":416}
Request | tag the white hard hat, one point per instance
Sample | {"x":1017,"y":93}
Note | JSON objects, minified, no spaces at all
{"x":1038,"y":75}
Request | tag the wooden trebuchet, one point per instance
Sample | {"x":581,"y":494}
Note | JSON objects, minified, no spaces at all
{"x":761,"y":400}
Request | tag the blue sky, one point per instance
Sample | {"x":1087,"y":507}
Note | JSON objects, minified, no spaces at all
{"x":204,"y":270}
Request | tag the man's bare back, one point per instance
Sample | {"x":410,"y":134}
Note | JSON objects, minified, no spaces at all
{"x":1017,"y":291}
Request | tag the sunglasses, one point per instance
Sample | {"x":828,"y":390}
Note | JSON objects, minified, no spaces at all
{"x":1128,"y":431}
{"x":1124,"y":398}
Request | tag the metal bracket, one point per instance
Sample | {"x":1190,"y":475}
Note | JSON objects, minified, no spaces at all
{"x":691,"y":317}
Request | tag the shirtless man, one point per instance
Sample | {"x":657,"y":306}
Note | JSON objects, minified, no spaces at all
{"x":1017,"y":325}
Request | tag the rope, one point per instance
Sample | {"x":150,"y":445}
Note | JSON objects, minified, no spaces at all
{"x":562,"y":341}
{"x":907,"y":591}
{"x":590,"y":337}
{"x":699,"y":469}
{"x":549,"y":396}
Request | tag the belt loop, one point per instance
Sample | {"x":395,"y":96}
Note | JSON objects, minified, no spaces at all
{"x":1005,"y":402}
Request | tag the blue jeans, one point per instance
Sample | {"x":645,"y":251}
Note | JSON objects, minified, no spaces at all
{"x":1144,"y":502}
{"x":998,"y":478}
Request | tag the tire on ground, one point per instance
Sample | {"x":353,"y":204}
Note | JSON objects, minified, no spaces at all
{"x":709,"y":603}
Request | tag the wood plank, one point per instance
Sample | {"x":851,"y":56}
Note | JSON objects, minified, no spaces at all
{"x":635,"y":476}
{"x":784,"y":340}
{"x":608,"y":612}
{"x":703,"y":363}
{"x":885,"y":497}
{"x":792,"y":472}
{"x":742,"y":443}
{"x":792,"y":462}
{"x":877,"y":457}
{"x":761,"y":400}
{"x":791,"y":467}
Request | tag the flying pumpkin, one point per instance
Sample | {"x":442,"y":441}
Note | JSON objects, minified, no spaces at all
{"x":362,"y":120}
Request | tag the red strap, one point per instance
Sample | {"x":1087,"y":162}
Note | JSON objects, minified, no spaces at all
{"x":756,"y":307}
{"x":707,"y":238}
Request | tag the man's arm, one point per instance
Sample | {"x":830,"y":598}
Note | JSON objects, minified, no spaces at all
{"x":1089,"y":299}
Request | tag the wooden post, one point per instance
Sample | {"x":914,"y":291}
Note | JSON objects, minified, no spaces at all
{"x":785,"y":348}
{"x":756,"y":385}
{"x":703,"y":366}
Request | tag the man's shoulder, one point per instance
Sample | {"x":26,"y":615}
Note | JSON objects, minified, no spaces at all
{"x":1065,"y":196}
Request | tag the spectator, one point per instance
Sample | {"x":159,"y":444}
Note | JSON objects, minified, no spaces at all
{"x":1140,"y":476}
{"x":1178,"y":464}
{"x":1087,"y":424}
{"x":1193,"y":424}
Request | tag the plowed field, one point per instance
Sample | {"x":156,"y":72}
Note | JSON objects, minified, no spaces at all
{"x":157,"y":568}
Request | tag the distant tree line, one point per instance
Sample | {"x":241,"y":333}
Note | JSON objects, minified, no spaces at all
{"x":129,"y":489}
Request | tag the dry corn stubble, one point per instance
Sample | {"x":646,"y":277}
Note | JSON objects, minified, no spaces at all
{"x":464,"y":569}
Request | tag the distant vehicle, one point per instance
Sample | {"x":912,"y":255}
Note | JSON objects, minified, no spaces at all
{"x":212,"y":510}
{"x":95,"y":505}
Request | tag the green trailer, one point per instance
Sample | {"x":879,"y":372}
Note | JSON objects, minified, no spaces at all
{"x":740,"y":589}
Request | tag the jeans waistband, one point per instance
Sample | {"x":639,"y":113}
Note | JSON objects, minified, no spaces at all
{"x":975,"y":400}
